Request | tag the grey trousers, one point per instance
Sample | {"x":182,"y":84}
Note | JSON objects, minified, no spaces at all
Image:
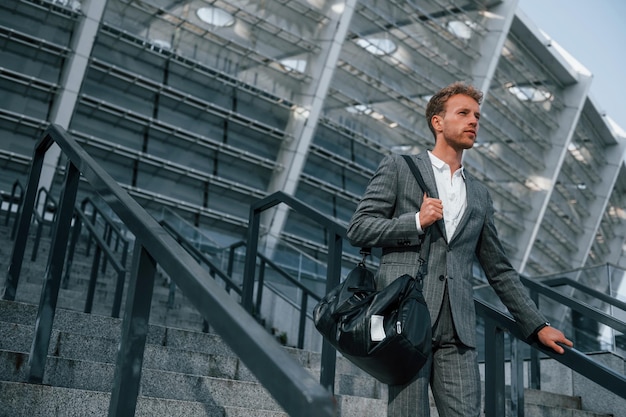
{"x":453,"y":375}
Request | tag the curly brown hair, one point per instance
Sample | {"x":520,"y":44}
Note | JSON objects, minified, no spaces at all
{"x":437,"y":103}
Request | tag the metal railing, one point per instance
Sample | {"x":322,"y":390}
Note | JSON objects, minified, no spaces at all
{"x":306,"y":293}
{"x":229,"y":284}
{"x":203,"y":259}
{"x":496,"y":323}
{"x":336,"y":233}
{"x":48,"y":206}
{"x":103,"y":247}
{"x":263,"y":264}
{"x":288,"y":382}
{"x":103,"y":242}
{"x":543,"y":288}
{"x":15,"y":199}
{"x":598,"y":295}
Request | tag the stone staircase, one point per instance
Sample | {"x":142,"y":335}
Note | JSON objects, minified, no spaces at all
{"x":185,"y":373}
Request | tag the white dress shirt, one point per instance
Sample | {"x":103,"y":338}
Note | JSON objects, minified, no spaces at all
{"x":452,"y":194}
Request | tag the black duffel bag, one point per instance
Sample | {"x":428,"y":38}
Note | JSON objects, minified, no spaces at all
{"x":386,"y":333}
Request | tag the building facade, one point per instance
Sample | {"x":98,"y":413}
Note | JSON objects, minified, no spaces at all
{"x":204,"y":106}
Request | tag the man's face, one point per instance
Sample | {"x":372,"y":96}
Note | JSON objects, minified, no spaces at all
{"x":459,"y":122}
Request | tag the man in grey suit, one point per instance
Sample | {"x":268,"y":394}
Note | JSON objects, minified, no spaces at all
{"x":395,"y":213}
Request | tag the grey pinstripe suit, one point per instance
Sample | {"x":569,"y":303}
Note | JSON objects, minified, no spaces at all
{"x":385,"y":218}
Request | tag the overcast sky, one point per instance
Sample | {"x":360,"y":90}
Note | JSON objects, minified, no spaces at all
{"x":593,"y":32}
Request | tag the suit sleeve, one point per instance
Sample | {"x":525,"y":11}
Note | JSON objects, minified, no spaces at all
{"x":504,"y":278}
{"x":375,"y":222}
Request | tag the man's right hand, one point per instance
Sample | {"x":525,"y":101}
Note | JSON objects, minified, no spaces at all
{"x":431,"y":211}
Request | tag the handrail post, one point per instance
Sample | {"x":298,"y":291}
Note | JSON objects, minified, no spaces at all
{"x":535,"y":370}
{"x":171,"y":294}
{"x":535,"y":363}
{"x":76,"y":229}
{"x":91,"y":289}
{"x":54,"y":271}
{"x":38,"y":232}
{"x":119,"y":291}
{"x":16,"y":185}
{"x":41,"y":219}
{"x":247,"y":289}
{"x":259,"y":288}
{"x":302,"y":323}
{"x":231,"y":261}
{"x":135,"y":325}
{"x":329,"y":354}
{"x":18,"y":211}
{"x":494,"y":370}
{"x":94,"y":218}
{"x":106,"y":237}
{"x":517,"y":379}
{"x":26,"y":213}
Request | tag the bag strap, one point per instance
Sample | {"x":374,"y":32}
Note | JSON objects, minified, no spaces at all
{"x":365,"y":252}
{"x":425,"y":247}
{"x":416,"y":173}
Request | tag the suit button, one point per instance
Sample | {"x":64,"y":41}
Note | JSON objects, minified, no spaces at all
{"x":441,"y":277}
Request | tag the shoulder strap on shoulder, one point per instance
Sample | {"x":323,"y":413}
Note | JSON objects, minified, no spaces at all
{"x":416,"y":173}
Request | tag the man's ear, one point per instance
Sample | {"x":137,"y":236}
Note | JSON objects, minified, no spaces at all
{"x":436,"y":122}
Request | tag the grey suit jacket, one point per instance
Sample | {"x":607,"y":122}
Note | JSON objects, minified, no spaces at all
{"x":385,"y":217}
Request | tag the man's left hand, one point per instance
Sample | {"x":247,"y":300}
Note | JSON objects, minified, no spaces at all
{"x":549,"y":336}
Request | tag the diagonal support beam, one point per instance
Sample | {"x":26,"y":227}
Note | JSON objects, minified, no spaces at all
{"x":72,"y":78}
{"x":303,"y":119}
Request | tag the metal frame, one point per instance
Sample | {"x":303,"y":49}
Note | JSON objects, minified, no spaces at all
{"x":336,"y":233}
{"x":290,"y":384}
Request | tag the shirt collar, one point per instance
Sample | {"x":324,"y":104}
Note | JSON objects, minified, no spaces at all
{"x":440,"y":165}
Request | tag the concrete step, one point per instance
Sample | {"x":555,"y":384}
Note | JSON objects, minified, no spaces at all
{"x":545,"y":404}
{"x":87,"y":374}
{"x":537,"y":397}
{"x":18,"y":338}
{"x":538,"y":410}
{"x":98,"y":376}
{"x":88,"y":337}
{"x":182,"y":314}
{"x":26,"y":400}
{"x":91,"y":376}
{"x":19,"y":399}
